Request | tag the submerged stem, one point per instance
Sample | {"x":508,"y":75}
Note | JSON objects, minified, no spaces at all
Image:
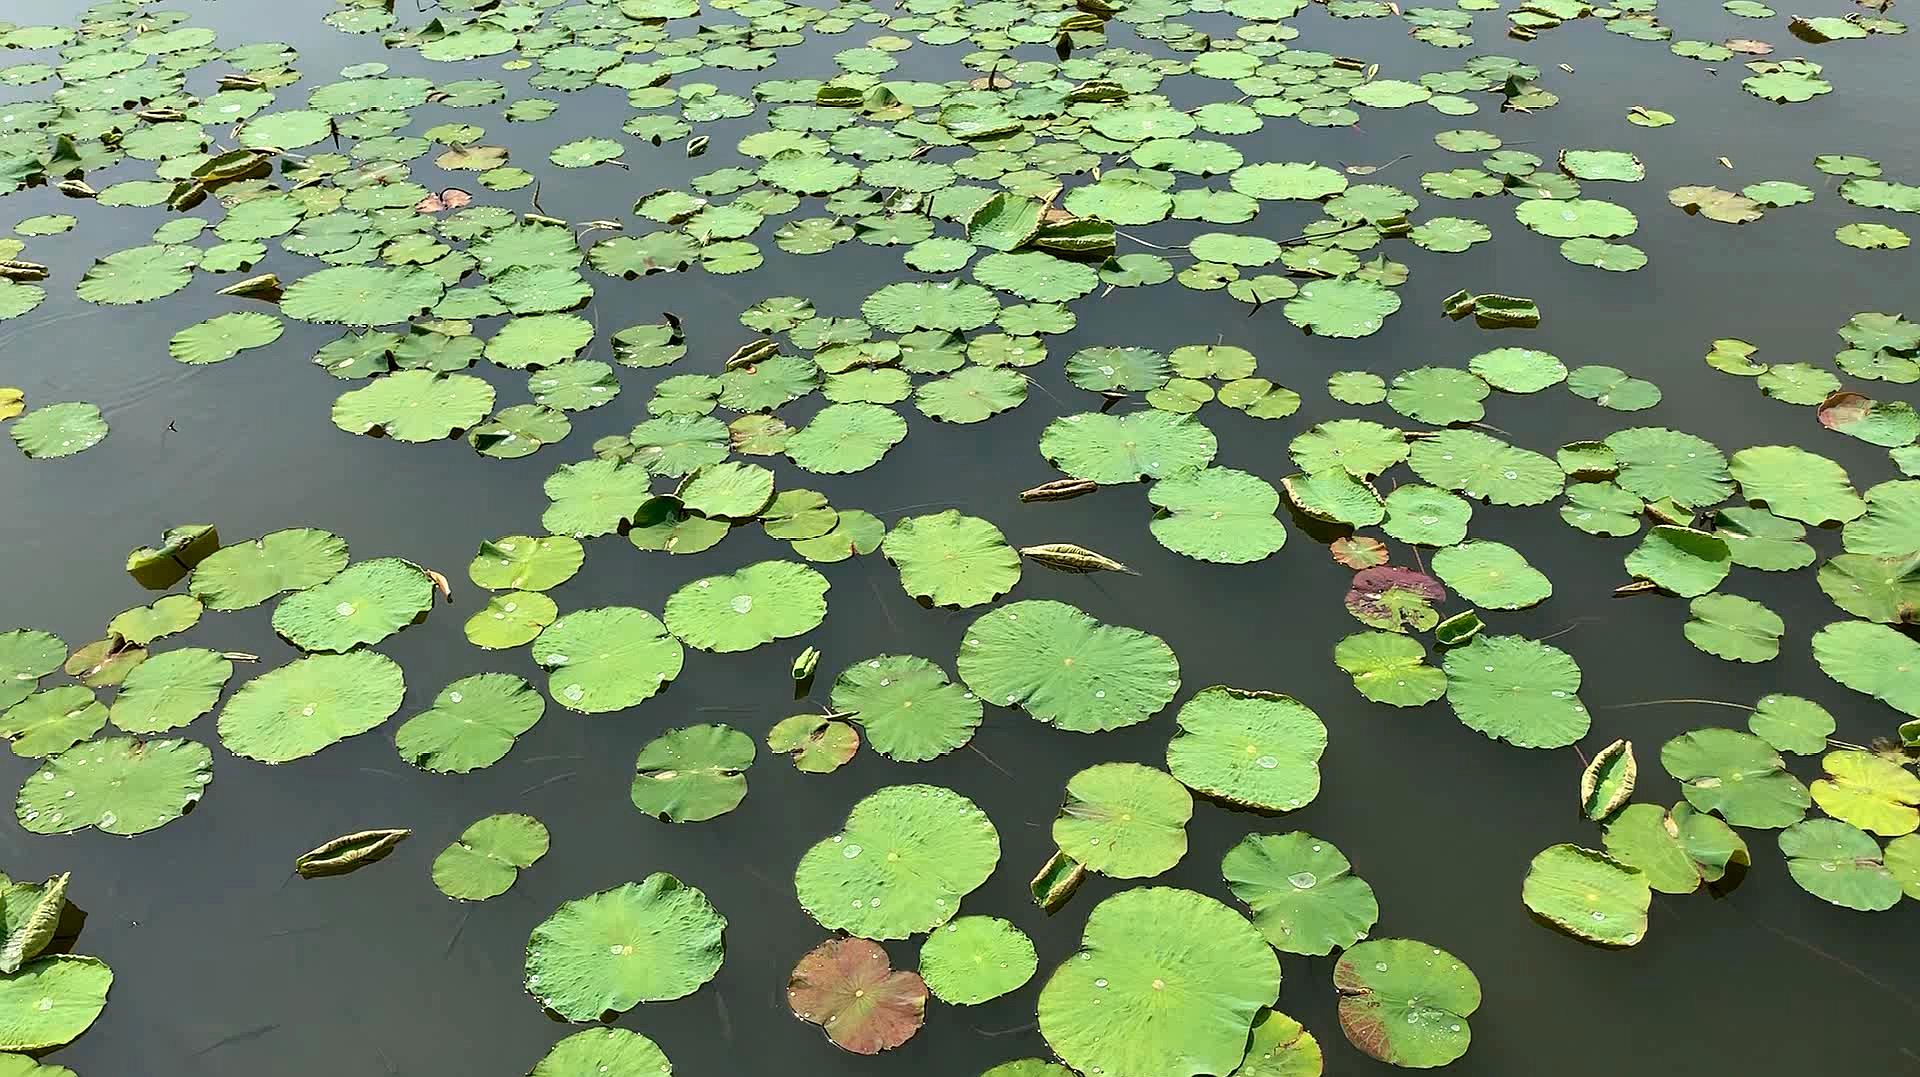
{"x":1658,"y":702}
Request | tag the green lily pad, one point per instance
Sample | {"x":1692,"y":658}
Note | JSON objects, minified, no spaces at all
{"x":1676,"y":851}
{"x":1518,"y":690}
{"x":739,"y":611}
{"x":1406,"y":1002}
{"x":1796,"y":484}
{"x":817,"y":744}
{"x":51,"y":1001}
{"x":1491,"y":575}
{"x":693,"y":774}
{"x":305,"y":706}
{"x":57,"y":430}
{"x":1217,"y":514}
{"x":607,"y":659}
{"x":1303,"y":893}
{"x":1215,"y":975}
{"x":1736,"y":775}
{"x":363,"y":603}
{"x":910,"y":710}
{"x":1257,"y":749}
{"x":119,"y":786}
{"x":1342,"y":307}
{"x":1588,"y":894}
{"x":1791,"y":723}
{"x":615,"y":1052}
{"x":908,"y":853}
{"x":1127,"y":448}
{"x":1124,"y":820}
{"x":1067,"y":669}
{"x":1681,"y":560}
{"x":168,"y":615}
{"x":526,"y":563}
{"x":651,"y":941}
{"x":1839,"y":863}
{"x":1734,"y":628}
{"x":49,"y":722}
{"x":472,"y":724}
{"x":1390,"y":668}
{"x":976,"y":959}
{"x":948,"y":559}
{"x":844,"y":438}
{"x":730,"y":490}
{"x":510,"y":619}
{"x":170,"y":690}
{"x":1872,"y":659}
{"x":488,"y":857}
{"x":222,"y":337}
{"x":1484,"y":467}
{"x":249,"y":573}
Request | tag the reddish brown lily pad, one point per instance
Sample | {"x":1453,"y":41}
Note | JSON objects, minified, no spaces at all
{"x":1359,"y":551}
{"x":1396,"y":599}
{"x":849,"y":988}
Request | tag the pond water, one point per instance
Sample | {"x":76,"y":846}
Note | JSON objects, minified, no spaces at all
{"x":226,"y":963}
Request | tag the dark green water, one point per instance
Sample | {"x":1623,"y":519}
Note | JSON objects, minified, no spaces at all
{"x":226,"y":964}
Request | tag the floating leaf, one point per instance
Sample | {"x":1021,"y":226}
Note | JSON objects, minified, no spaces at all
{"x":607,"y":659}
{"x":1589,"y":895}
{"x":1734,"y":628}
{"x":1304,"y":897}
{"x":364,"y":603}
{"x":1214,"y":972}
{"x":650,"y":941}
{"x":1257,"y":749}
{"x":848,"y":987}
{"x":1607,"y":782}
{"x":975,"y":959}
{"x":1874,"y":794}
{"x":1406,"y":1002}
{"x":1676,"y":851}
{"x":817,"y":744}
{"x":908,"y":853}
{"x":741,"y":610}
{"x":51,"y":1001}
{"x":1124,"y":820}
{"x":910,"y":710}
{"x":1737,"y":775}
{"x":1491,"y":575}
{"x":612,"y":1051}
{"x":1839,"y":863}
{"x":1518,"y":690}
{"x":1110,"y":449}
{"x":348,"y":852}
{"x":948,"y":559}
{"x":302,"y":707}
{"x":1065,"y":668}
{"x":693,"y":774}
{"x":472,"y":724}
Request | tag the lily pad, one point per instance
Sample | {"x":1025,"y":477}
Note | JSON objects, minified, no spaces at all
{"x":364,"y":603}
{"x":649,"y":941}
{"x":488,"y":857}
{"x":1839,"y":863}
{"x":119,"y":786}
{"x":1304,"y":895}
{"x":848,"y":987}
{"x":948,"y":559}
{"x":693,"y":774}
{"x":1127,"y":448}
{"x":1736,"y":775}
{"x":1124,"y":820}
{"x":473,"y":723}
{"x":910,"y":710}
{"x":607,"y":659}
{"x":1067,"y":669}
{"x":307,"y":705}
{"x":51,"y":1001}
{"x":976,"y":959}
{"x":741,"y":610}
{"x":1213,"y":972}
{"x":1257,"y":749}
{"x":1405,"y":1002}
{"x":1676,"y":850}
{"x":908,"y":854}
{"x":1518,"y":690}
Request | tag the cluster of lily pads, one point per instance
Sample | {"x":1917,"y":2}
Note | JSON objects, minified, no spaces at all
{"x":1057,"y":169}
